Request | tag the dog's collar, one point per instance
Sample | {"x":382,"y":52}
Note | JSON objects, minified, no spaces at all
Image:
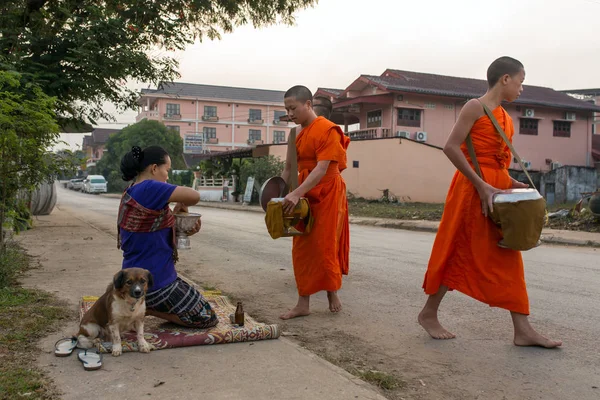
{"x":134,"y":304}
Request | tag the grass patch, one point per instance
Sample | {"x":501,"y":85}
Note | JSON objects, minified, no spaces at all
{"x":433,"y":212}
{"x":377,"y":209}
{"x":12,"y":262}
{"x":381,"y":379}
{"x":26,"y":315}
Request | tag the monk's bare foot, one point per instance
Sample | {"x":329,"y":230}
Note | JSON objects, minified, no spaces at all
{"x":295,"y":312}
{"x":335,"y":305}
{"x":430,"y":323}
{"x":532,"y":338}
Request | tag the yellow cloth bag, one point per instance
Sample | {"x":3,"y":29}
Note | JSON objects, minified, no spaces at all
{"x":280,"y":225}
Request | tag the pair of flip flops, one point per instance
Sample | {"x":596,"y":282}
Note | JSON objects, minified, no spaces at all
{"x":91,"y":359}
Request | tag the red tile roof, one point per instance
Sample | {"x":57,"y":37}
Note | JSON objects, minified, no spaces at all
{"x":441,"y":85}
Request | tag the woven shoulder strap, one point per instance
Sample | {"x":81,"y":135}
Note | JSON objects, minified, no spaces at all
{"x":292,"y":155}
{"x":500,"y":131}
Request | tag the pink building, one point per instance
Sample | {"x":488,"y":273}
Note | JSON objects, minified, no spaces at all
{"x":216,"y":118}
{"x":551,"y":128}
{"x":592,"y":96}
{"x":93,"y":144}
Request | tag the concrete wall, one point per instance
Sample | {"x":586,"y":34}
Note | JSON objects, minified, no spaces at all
{"x":412,"y":171}
{"x":566,"y":184}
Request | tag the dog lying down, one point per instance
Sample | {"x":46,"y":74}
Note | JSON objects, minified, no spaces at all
{"x":121,"y":308}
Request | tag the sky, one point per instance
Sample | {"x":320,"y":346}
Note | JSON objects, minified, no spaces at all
{"x":334,"y":42}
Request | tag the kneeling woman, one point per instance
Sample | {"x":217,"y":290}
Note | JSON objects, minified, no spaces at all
{"x":147,"y":236}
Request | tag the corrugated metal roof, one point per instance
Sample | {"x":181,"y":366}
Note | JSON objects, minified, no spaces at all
{"x":217,"y":92}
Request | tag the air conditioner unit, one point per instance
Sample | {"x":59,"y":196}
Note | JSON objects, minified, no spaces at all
{"x":570,"y":116}
{"x":529,"y":112}
{"x":403,"y":134}
{"x":555,"y":165}
{"x":421,"y":137}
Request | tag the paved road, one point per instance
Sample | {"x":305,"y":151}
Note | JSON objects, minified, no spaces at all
{"x":377,"y":329}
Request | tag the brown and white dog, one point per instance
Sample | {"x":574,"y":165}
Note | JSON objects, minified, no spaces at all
{"x":121,"y":308}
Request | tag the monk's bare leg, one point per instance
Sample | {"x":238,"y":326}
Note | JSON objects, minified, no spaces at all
{"x":525,"y":335}
{"x":335,"y":305}
{"x":428,"y":317}
{"x":302,"y":309}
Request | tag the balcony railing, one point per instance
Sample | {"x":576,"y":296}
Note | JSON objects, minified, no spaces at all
{"x":256,"y":121}
{"x":146,"y":115}
{"x":370,"y":133}
{"x":278,"y":122}
{"x":254,"y":142}
{"x":210,"y":118}
{"x":172,"y":116}
{"x":213,"y":140}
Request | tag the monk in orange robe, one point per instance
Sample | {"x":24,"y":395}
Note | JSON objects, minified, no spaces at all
{"x":465,"y":255}
{"x":321,"y":257}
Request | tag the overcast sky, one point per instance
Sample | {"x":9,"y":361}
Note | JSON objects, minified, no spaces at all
{"x":334,"y":42}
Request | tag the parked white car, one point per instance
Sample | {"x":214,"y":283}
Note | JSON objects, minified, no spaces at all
{"x":75,"y":184}
{"x":94,"y":184}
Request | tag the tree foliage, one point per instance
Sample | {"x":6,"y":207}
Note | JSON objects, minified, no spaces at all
{"x":261,"y":168}
{"x":28,"y":128}
{"x":83,"y":51}
{"x":144,"y":133}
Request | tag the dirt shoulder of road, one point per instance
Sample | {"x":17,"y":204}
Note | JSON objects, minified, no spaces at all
{"x":79,"y":258}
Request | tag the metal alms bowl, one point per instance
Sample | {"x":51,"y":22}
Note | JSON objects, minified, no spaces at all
{"x":273,"y":188}
{"x":184,"y":222}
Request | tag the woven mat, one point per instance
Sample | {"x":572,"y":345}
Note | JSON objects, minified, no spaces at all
{"x":161,"y":334}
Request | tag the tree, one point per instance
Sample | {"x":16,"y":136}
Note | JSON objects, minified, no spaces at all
{"x":261,"y":168}
{"x":143,"y":134}
{"x":83,"y":51}
{"x":28,"y":128}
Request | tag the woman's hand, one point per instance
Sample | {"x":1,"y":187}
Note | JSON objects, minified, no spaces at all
{"x":195,"y":229}
{"x":180,"y":207}
{"x":289,"y":202}
{"x":486,"y":194}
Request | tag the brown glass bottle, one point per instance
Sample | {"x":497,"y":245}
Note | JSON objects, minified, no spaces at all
{"x":239,"y":314}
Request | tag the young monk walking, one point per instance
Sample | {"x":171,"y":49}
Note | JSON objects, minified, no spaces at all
{"x":321,"y":257}
{"x":465,"y":255}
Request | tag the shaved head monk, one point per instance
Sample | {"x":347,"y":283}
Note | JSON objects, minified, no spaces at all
{"x":322,"y":106}
{"x":466,"y":256}
{"x":321,"y":257}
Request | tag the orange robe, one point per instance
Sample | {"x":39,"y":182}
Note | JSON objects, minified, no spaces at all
{"x":321,"y":257}
{"x":465,"y":253}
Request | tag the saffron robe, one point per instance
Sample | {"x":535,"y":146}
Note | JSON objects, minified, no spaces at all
{"x":321,"y":257}
{"x":465,"y":254}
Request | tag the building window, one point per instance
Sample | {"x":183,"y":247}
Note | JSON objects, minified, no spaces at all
{"x":210,"y":111}
{"x":255,"y":115}
{"x":174,"y":128}
{"x":278,"y":136}
{"x":593,"y":129}
{"x":172,"y":109}
{"x":254,"y":134}
{"x":409,"y":117}
{"x":374,"y":119}
{"x":429,"y":105}
{"x":528,"y":126}
{"x":209,"y":133}
{"x":354,"y":164}
{"x":562,"y":128}
{"x":278,"y":115}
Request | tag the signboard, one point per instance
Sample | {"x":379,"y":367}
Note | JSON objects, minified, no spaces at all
{"x":225,"y":190}
{"x":193,"y":144}
{"x":249,"y":190}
